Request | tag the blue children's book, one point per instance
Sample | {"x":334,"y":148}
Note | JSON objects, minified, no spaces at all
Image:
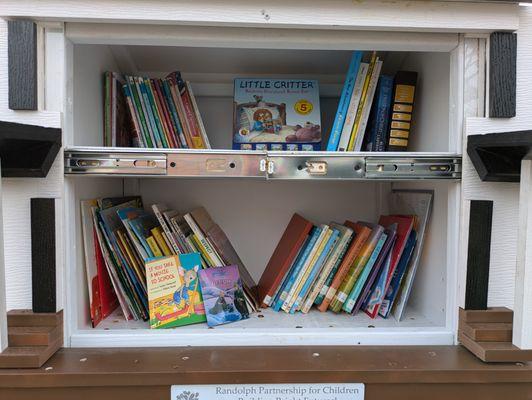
{"x":345,"y":98}
{"x":357,"y":289}
{"x":377,"y":133}
{"x":398,"y":274}
{"x":276,"y":114}
{"x":298,"y":264}
{"x":315,"y":270}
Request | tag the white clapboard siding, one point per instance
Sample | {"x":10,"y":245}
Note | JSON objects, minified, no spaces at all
{"x":18,"y":191}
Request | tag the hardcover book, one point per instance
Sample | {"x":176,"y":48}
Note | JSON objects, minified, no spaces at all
{"x":362,"y":234}
{"x":164,"y":284}
{"x":418,"y":203}
{"x":276,"y":114}
{"x":402,"y":109}
{"x":404,"y":226}
{"x":398,"y":275}
{"x":223,"y":295}
{"x":189,"y":296}
{"x":283,"y":256}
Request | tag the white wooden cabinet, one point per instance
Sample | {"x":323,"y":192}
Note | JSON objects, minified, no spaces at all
{"x":211,"y":43}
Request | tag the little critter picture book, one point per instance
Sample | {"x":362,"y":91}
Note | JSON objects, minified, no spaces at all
{"x":223,"y":295}
{"x":276,"y":114}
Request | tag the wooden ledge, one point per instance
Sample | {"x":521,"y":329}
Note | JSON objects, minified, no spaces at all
{"x":401,"y":373}
{"x":207,"y":365}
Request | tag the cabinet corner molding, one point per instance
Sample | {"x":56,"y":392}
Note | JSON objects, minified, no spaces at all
{"x":22,"y":64}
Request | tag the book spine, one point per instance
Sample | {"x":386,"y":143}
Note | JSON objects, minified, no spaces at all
{"x":166,"y":229}
{"x":213,"y":257}
{"x":331,"y":261}
{"x":362,"y":101}
{"x":330,"y":276}
{"x":299,"y":279}
{"x":138,"y":141}
{"x":147,"y":115}
{"x":355,"y":270}
{"x":107,"y":136}
{"x":197,"y":113}
{"x":402,"y":109}
{"x":297,"y":268}
{"x":316,"y":269}
{"x":157,"y":118}
{"x":359,"y":138}
{"x":149,"y":111}
{"x":382,"y":114}
{"x":353,"y":107}
{"x":362,"y":234}
{"x":345,"y":97}
{"x":173,"y":113}
{"x":286,"y":277}
{"x":161,"y":241}
{"x":176,"y":96}
{"x":163,"y":114}
{"x":395,"y":283}
{"x":138,"y":110}
{"x":197,"y":141}
{"x":355,"y":292}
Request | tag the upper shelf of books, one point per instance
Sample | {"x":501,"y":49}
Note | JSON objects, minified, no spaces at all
{"x":263,"y":100}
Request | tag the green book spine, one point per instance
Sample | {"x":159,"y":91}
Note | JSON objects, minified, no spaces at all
{"x":355,"y":270}
{"x":140,"y":112}
{"x":357,"y":289}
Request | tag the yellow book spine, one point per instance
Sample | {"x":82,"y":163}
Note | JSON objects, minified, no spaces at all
{"x":363,"y":97}
{"x":203,"y":250}
{"x":161,"y":242}
{"x":153,"y":246}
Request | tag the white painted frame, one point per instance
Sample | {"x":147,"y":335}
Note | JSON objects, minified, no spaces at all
{"x":332,"y":14}
{"x":3,"y":308}
{"x":522,"y":327}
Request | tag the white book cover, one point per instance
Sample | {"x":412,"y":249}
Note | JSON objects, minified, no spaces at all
{"x":359,"y":138}
{"x":311,"y":259}
{"x":353,"y":107}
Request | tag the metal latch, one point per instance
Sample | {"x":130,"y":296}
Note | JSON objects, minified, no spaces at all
{"x":267,"y":166}
{"x":316,"y":167}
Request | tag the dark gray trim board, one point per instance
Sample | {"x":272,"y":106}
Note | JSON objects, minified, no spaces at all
{"x":497,"y":156}
{"x":22,"y":64}
{"x":502,"y":74}
{"x":478,"y":254}
{"x":27,"y":150}
{"x":43,"y":255}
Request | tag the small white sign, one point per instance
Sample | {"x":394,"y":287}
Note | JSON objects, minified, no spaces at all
{"x":297,"y":391}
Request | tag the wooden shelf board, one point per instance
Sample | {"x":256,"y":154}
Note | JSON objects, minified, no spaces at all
{"x":495,"y":351}
{"x":207,"y":365}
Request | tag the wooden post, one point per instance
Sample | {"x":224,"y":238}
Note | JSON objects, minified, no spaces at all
{"x":522,"y":327}
{"x":3,"y":307}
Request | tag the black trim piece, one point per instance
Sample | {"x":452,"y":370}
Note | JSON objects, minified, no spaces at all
{"x":27,"y":150}
{"x":22,"y":64}
{"x":502,"y":74}
{"x":497,"y":156}
{"x":478,"y":254}
{"x":43,"y":255}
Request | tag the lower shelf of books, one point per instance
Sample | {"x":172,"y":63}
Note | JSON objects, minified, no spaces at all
{"x":270,"y":328}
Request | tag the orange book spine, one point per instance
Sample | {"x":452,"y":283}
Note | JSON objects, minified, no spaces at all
{"x":362,"y":234}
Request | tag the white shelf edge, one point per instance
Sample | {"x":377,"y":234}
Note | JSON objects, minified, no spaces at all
{"x":292,"y":337}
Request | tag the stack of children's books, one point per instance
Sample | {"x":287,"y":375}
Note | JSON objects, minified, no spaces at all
{"x":375,"y":111}
{"x":149,"y":112}
{"x":151,"y":264}
{"x":351,"y":266}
